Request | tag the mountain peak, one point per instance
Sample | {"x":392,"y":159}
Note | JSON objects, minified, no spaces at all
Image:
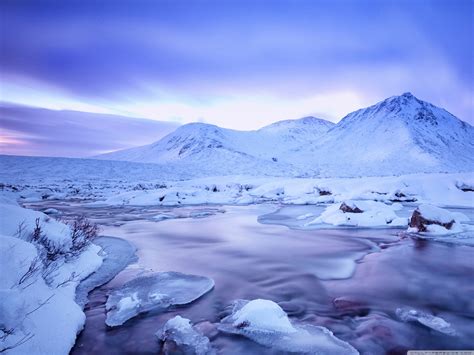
{"x":408,"y":95}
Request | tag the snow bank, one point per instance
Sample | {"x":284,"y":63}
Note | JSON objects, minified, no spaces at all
{"x":154,"y":292}
{"x":361,"y":214}
{"x":264,"y":322}
{"x":14,"y":217}
{"x":179,"y":336}
{"x":43,"y":319}
{"x":38,"y":314}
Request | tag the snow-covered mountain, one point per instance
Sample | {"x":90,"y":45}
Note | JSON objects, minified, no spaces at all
{"x":399,"y":135}
{"x":227,"y":151}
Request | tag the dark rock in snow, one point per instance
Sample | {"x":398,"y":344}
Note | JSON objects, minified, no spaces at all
{"x":419,"y":222}
{"x":350,"y":209}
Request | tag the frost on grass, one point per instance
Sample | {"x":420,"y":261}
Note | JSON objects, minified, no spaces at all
{"x":41,"y":261}
{"x":154,"y":292}
{"x":428,"y":320}
{"x":361,"y":214}
{"x":179,"y":336}
{"x":266,"y":323}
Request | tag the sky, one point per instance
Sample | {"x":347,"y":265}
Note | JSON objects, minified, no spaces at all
{"x":32,"y":131}
{"x":238,"y":64}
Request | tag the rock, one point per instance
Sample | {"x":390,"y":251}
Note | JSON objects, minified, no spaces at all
{"x":350,"y":209}
{"x":323,"y":192}
{"x":420,"y":220}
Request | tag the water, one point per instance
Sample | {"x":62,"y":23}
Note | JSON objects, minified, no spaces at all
{"x":348,"y":280}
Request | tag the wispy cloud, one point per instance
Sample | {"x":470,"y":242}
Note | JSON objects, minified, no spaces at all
{"x":33,"y":131}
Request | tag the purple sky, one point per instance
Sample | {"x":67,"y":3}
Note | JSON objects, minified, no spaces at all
{"x":239,"y":64}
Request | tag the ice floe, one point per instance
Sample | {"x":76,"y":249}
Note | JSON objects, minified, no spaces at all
{"x":179,"y":336}
{"x":266,"y":323}
{"x":428,"y":320}
{"x":154,"y":292}
{"x":118,"y":253}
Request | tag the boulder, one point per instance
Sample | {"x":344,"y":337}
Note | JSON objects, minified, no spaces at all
{"x":350,"y":209}
{"x":420,"y":220}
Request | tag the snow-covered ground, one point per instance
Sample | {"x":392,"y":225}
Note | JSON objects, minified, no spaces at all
{"x":38,"y":314}
{"x":438,"y":189}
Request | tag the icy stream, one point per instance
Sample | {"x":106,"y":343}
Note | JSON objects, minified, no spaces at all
{"x":351,"y":281}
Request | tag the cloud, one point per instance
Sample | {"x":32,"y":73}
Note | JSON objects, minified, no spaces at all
{"x":196,"y":54}
{"x":34,"y":131}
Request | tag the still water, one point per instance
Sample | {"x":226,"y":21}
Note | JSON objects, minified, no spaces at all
{"x":348,"y":280}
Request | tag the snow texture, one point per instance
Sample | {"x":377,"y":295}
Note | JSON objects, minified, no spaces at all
{"x":154,"y":292}
{"x":264,"y":322}
{"x":179,"y":333}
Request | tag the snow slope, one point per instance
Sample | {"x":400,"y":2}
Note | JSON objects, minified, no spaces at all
{"x":399,"y":135}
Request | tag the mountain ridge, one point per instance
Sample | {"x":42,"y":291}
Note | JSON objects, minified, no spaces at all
{"x":398,"y":135}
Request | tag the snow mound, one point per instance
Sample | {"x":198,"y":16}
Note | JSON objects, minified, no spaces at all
{"x":154,"y":292}
{"x":435,"y":220}
{"x":264,"y":322}
{"x":361,"y":214}
{"x":428,"y":320}
{"x":179,"y":336}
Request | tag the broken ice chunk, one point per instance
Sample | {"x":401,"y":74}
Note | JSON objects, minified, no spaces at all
{"x":154,"y":292}
{"x":305,"y":216}
{"x":428,"y":320}
{"x":266,"y":323}
{"x":163,"y":216}
{"x":179,"y":335}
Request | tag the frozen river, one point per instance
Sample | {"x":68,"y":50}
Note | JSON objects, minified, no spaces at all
{"x":350,"y":281}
